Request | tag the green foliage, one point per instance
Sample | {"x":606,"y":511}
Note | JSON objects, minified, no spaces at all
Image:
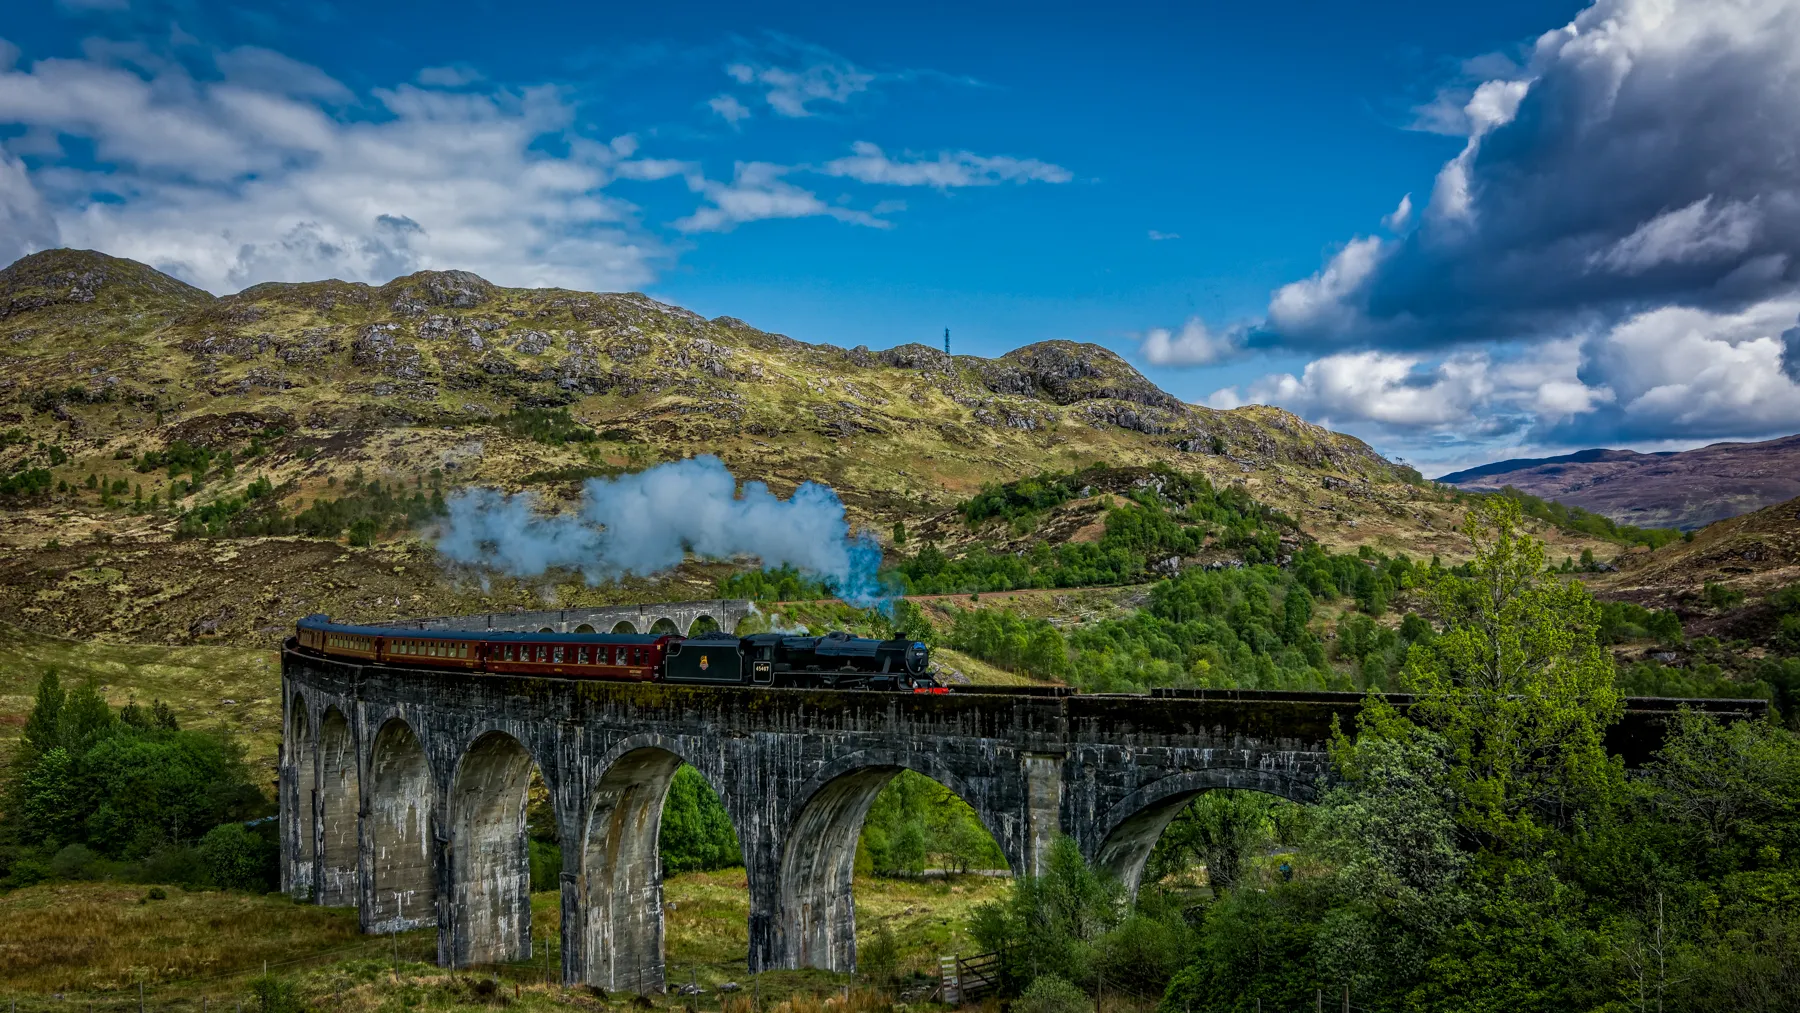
{"x":26,"y":482}
{"x":1248,"y":627}
{"x":1010,"y":640}
{"x":1050,"y":994}
{"x":1520,"y":650}
{"x":916,"y":823}
{"x":1699,"y":679}
{"x":179,"y":457}
{"x":1481,"y":852}
{"x":126,"y":787}
{"x":1220,"y":830}
{"x":1175,"y":515}
{"x":551,"y":426}
{"x":273,"y":994}
{"x":1721,"y":596}
{"x":696,"y":830}
{"x":237,"y":859}
{"x":1622,"y":622}
{"x":1048,"y":924}
{"x":880,"y":959}
{"x":1572,"y":518}
{"x":783,"y":583}
{"x":365,"y":512}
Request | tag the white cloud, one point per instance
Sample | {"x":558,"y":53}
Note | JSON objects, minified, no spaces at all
{"x":253,"y":178}
{"x":453,"y":76}
{"x":1320,"y":301}
{"x":793,"y":91}
{"x":1224,"y":399}
{"x":728,"y":107}
{"x":1401,"y":216}
{"x":868,"y":164}
{"x":1157,"y":237}
{"x":1195,"y":345}
{"x":1468,"y":395}
{"x":25,"y":222}
{"x":1683,"y":371}
{"x":756,"y":192}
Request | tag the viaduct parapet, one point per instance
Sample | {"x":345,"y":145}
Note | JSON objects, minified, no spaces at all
{"x":659,"y":617}
{"x":403,"y":792}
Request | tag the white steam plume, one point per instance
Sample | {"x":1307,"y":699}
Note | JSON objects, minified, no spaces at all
{"x":637,"y":525}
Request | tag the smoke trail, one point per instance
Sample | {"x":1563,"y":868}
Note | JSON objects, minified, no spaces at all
{"x":637,"y":525}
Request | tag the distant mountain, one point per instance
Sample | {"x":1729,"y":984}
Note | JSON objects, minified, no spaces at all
{"x":1687,"y":489}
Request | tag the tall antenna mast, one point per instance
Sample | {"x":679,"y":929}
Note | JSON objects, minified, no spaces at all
{"x":946,"y":341}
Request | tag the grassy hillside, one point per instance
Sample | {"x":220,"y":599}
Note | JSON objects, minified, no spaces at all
{"x":290,"y":420}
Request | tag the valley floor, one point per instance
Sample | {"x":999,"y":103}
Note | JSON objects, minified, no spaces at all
{"x":68,"y":945}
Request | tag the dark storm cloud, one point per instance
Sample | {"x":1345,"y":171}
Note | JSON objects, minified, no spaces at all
{"x":1647,"y":154}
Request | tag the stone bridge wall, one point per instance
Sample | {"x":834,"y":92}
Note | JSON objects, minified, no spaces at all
{"x":404,"y":791}
{"x":727,"y":612}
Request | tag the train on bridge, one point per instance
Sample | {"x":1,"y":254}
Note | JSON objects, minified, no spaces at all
{"x":834,"y":660}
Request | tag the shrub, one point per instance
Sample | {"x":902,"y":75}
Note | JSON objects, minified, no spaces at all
{"x":234,"y":858}
{"x":276,"y":995}
{"x":880,"y":960}
{"x":1051,"y":994}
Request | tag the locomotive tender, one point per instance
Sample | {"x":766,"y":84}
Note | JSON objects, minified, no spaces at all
{"x":835,"y":660}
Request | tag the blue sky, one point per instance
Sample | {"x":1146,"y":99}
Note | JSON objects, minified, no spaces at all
{"x":1214,"y":191}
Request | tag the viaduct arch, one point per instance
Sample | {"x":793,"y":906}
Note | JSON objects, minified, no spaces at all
{"x":437,"y":762}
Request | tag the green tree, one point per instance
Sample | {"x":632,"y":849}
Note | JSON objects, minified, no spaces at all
{"x":1518,"y":684}
{"x":696,"y":832}
{"x":49,"y":804}
{"x":42,"y":726}
{"x":1220,"y":830}
{"x":1296,"y":613}
{"x":235,"y":858}
{"x":1048,"y":924}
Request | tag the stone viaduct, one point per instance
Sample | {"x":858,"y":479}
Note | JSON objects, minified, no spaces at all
{"x":403,"y":792}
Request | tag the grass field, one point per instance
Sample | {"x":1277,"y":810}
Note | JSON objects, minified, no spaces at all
{"x":101,"y":940}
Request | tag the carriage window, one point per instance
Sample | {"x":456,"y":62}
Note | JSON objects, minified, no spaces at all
{"x":581,"y":655}
{"x":557,"y":655}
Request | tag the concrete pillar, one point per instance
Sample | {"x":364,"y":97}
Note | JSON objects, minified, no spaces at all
{"x":339,"y":802}
{"x":815,"y":922}
{"x":401,"y":842}
{"x":619,"y":892}
{"x":1043,"y":808}
{"x":488,"y":889}
{"x":298,"y":779}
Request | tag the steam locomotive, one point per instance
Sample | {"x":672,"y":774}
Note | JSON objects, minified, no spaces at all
{"x":835,"y":660}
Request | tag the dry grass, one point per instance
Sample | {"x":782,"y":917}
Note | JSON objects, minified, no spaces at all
{"x":106,"y":938}
{"x":92,"y":937}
